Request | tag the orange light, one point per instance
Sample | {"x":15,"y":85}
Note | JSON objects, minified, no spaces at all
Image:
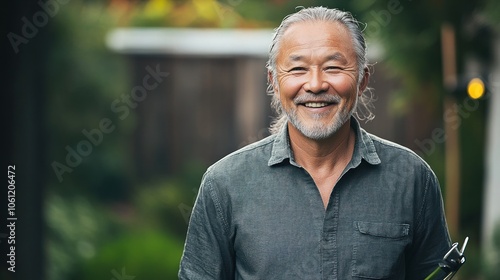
{"x":475,"y":88}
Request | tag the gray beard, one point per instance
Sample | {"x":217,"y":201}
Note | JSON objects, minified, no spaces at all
{"x":319,"y":131}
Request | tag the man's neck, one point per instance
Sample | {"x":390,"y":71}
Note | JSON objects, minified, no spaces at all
{"x":326,"y":155}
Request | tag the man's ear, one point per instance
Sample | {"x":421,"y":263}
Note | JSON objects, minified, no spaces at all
{"x":364,"y":81}
{"x":272,"y":82}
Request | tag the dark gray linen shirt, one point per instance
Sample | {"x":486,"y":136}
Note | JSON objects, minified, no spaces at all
{"x":259,"y":215}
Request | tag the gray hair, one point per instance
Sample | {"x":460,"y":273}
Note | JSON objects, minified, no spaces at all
{"x":364,"y":107}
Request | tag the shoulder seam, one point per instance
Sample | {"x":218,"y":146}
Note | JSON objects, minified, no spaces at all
{"x":246,"y":148}
{"x":217,"y":204}
{"x":399,"y":147}
{"x":424,"y":200}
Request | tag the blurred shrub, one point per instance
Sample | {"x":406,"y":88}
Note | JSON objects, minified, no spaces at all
{"x":151,"y":243}
{"x":145,"y":254}
{"x":191,"y":13}
{"x":76,"y":227}
{"x":145,"y":237}
{"x":84,"y":79}
{"x":166,"y":203}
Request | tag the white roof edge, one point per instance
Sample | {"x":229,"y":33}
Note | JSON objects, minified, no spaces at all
{"x":198,"y":42}
{"x":190,"y":41}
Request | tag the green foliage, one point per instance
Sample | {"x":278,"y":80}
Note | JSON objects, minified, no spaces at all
{"x":152,"y":246}
{"x":145,"y":254}
{"x":87,"y":240}
{"x":167,"y":203}
{"x":75,"y":229}
{"x":492,"y":11}
{"x":84,"y":79}
{"x":192,"y":13}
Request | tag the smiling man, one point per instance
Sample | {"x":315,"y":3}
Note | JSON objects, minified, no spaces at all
{"x":320,"y":198}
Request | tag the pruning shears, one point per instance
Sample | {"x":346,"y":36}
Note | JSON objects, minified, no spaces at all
{"x":451,"y":263}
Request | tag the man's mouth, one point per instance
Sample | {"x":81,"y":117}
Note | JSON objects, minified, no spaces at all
{"x":316,"y":104}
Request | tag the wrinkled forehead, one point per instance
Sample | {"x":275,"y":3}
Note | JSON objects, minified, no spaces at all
{"x":314,"y":34}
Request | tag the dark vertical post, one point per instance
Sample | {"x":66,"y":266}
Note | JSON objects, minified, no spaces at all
{"x":452,"y":145}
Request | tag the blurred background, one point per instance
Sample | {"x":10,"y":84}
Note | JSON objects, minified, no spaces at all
{"x":113,"y":109}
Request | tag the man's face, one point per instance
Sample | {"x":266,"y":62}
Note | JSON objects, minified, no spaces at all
{"x":317,"y":77}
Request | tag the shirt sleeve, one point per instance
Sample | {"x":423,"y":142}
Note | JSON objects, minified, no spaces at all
{"x":208,"y":252}
{"x":431,"y":239}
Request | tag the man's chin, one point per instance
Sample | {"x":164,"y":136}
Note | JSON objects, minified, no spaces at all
{"x":320,"y":131}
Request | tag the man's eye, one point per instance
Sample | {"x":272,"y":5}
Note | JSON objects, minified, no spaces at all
{"x":297,"y":69}
{"x":332,"y":68}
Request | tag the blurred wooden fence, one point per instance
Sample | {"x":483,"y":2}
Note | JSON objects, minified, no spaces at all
{"x":212,"y":102}
{"x":206,"y":107}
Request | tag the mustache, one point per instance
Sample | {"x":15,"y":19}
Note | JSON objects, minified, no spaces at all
{"x":308,"y":97}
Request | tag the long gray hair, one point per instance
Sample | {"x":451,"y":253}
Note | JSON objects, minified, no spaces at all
{"x":364,"y":107}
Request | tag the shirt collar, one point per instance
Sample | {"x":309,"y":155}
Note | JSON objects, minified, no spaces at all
{"x":363,"y":149}
{"x":281,"y":147}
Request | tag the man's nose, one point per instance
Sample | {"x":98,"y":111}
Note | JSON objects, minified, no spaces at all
{"x":316,"y":83}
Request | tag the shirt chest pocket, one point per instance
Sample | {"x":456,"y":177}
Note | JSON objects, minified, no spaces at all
{"x":378,"y":250}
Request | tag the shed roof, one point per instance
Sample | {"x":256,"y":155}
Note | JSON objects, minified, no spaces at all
{"x":197,"y":42}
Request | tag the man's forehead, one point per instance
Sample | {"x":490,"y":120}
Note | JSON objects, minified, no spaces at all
{"x":303,"y":38}
{"x":315,"y":27}
{"x":315,"y":33}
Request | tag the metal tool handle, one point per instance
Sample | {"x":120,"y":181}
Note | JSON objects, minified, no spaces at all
{"x":451,"y":263}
